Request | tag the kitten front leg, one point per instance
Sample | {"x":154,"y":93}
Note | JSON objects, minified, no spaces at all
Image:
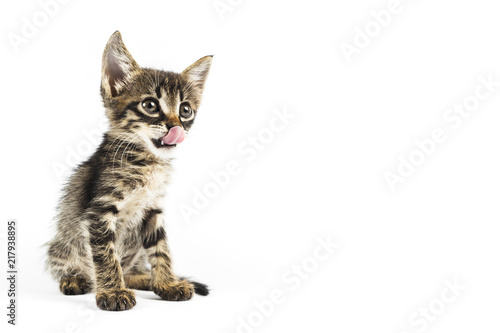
{"x":163,"y":281}
{"x":111,"y":293}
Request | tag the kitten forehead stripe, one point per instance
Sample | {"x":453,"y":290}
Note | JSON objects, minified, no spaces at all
{"x":158,"y":92}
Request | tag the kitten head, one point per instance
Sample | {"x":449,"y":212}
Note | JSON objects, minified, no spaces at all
{"x":151,"y":108}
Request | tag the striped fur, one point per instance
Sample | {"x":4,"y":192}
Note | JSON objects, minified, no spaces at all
{"x":110,"y":221}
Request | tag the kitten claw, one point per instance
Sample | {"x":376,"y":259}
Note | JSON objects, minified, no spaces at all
{"x":115,"y":299}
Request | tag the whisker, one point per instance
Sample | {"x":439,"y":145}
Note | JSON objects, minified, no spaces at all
{"x":117,"y":149}
{"x":125,"y":150}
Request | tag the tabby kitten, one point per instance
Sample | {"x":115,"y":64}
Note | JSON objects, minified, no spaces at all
{"x":110,"y":220}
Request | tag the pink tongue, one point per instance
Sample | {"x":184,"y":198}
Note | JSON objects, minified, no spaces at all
{"x":175,"y":135}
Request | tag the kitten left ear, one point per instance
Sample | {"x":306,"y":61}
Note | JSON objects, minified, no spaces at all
{"x":118,"y":66}
{"x":197,"y":73}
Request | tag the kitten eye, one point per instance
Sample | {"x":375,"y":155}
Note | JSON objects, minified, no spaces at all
{"x":150,"y":105}
{"x":185,"y":110}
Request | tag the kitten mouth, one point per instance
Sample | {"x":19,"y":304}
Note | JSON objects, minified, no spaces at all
{"x":174,"y":136}
{"x":160,"y":144}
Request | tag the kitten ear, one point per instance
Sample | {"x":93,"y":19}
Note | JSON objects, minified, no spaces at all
{"x":118,"y":66}
{"x":197,"y":73}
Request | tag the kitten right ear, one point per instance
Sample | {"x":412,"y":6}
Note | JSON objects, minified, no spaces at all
{"x":118,"y":66}
{"x":197,"y":73}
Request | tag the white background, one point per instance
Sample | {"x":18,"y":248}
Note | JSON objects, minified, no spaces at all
{"x":322,"y":176}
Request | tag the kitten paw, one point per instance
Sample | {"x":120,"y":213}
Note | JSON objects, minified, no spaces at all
{"x":74,"y":285}
{"x":175,"y":291}
{"x":115,"y":299}
{"x":199,"y":288}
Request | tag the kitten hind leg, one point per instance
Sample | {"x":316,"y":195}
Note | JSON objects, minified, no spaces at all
{"x":69,"y":265}
{"x":75,"y":285}
{"x":142,"y":281}
{"x":199,"y":288}
{"x":139,"y":281}
{"x":135,"y":272}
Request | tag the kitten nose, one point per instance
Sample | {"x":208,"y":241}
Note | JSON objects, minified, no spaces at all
{"x":172,"y":125}
{"x":172,"y":121}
